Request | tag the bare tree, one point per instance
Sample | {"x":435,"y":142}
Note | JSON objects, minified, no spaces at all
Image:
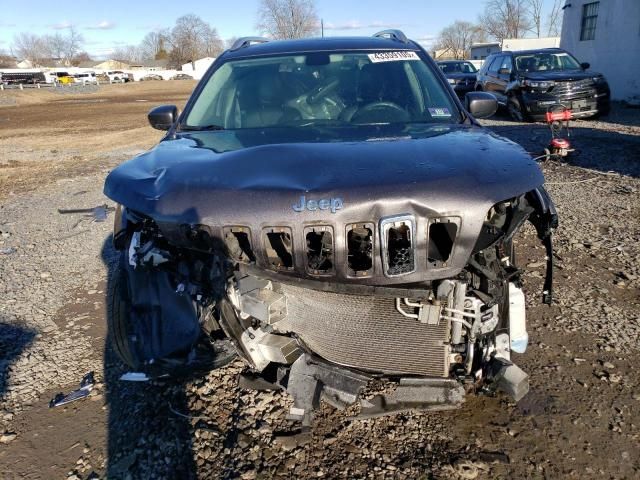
{"x":128,"y":54}
{"x":193,"y":38}
{"x":75,"y":40}
{"x":458,"y":37}
{"x":535,"y":13}
{"x":288,"y":19}
{"x":155,"y":44}
{"x":506,"y":19}
{"x":6,"y":60}
{"x":81,"y":57}
{"x":28,"y":46}
{"x":56,"y":45}
{"x":554,"y":19}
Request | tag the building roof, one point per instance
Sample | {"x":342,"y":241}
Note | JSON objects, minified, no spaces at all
{"x":326,"y":44}
{"x":490,"y":44}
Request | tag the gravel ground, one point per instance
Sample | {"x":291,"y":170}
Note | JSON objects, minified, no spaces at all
{"x":580,"y":419}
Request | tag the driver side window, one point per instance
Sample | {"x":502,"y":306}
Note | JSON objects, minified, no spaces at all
{"x":495,"y":65}
{"x":506,"y":63}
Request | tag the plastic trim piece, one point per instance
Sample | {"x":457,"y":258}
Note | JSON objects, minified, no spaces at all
{"x":246,"y":42}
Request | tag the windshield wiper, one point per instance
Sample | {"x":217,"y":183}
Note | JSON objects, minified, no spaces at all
{"x":201,"y":128}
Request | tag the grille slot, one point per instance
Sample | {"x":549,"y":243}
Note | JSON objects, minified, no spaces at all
{"x":442,"y":236}
{"x":278,"y":246}
{"x":360,"y":249}
{"x":238,"y":241}
{"x":319,"y":240}
{"x":365,"y":332}
{"x":398,"y":245}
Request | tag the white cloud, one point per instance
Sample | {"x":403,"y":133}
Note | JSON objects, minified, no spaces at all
{"x":103,"y":25}
{"x":61,"y":25}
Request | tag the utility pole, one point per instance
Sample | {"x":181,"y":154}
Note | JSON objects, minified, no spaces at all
{"x":322,"y":27}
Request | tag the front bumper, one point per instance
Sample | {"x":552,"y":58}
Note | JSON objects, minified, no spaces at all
{"x":596,"y":102}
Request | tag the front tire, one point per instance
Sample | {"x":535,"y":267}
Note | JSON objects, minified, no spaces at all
{"x":516,"y":112}
{"x":118,"y":316}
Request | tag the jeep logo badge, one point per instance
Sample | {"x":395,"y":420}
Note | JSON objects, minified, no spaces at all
{"x":333,"y":204}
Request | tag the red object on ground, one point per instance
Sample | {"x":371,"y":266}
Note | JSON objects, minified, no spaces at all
{"x":558,"y":116}
{"x":559,"y":143}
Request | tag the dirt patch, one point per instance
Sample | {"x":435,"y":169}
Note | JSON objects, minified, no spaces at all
{"x":45,"y":137}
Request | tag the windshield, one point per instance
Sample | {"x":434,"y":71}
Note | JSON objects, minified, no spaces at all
{"x":544,"y":62}
{"x":321,"y":89}
{"x":457,"y":67}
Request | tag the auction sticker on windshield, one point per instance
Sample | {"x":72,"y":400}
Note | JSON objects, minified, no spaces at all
{"x":439,"y":112}
{"x":379,"y":57}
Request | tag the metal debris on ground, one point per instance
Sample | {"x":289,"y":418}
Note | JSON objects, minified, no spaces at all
{"x":98,"y":213}
{"x":86,"y":385}
{"x":7,"y":251}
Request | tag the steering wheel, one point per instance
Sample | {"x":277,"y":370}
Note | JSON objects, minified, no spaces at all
{"x":322,"y":92}
{"x":383,"y":112}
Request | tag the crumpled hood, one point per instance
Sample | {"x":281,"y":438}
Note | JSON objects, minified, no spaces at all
{"x":186,"y":180}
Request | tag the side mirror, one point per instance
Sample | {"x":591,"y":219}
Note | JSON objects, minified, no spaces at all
{"x":481,"y":104}
{"x":163,"y":117}
{"x":585,"y":65}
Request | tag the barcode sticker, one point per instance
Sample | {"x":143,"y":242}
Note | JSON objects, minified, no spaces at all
{"x":400,"y":56}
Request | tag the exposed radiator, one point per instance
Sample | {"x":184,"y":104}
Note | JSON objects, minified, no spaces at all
{"x":365,"y":332}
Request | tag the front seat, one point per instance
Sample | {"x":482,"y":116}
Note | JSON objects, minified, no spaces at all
{"x":266,"y":107}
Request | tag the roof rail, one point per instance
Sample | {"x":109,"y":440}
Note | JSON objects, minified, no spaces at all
{"x":393,"y":34}
{"x":247,"y":41}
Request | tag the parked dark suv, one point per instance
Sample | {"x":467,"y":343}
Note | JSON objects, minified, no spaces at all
{"x":528,"y":82}
{"x":460,"y":74}
{"x":328,"y":210}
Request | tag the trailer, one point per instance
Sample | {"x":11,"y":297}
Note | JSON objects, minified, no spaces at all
{"x":21,"y":77}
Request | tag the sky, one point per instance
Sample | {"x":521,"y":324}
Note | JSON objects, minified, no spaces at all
{"x":110,"y":24}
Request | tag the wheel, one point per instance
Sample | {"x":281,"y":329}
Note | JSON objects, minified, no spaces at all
{"x":214,"y":352}
{"x":514,"y":107}
{"x":118,"y":318}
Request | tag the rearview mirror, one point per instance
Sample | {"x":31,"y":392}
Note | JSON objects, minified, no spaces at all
{"x":585,"y":65}
{"x":481,"y":104}
{"x":163,"y":117}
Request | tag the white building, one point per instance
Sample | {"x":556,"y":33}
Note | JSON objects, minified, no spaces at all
{"x":198,"y":68}
{"x":515,"y":44}
{"x":606,"y":34}
{"x":480,"y":51}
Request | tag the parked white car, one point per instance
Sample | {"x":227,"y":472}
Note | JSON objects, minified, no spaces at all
{"x":85,"y":78}
{"x":117,"y":76}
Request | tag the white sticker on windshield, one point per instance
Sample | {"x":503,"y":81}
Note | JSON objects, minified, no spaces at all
{"x":439,"y":112}
{"x":393,"y":56}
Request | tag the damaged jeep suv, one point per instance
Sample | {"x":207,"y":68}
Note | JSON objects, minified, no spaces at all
{"x":329,"y":211}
